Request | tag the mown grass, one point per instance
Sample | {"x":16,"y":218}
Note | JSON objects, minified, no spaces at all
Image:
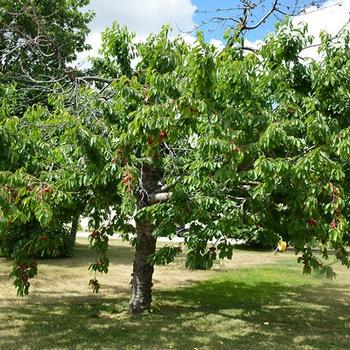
{"x":257,"y":301}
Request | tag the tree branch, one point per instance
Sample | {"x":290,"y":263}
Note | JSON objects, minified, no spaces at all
{"x":263,"y":19}
{"x":155,"y":198}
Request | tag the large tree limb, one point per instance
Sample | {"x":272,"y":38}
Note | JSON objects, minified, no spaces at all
{"x":155,"y":198}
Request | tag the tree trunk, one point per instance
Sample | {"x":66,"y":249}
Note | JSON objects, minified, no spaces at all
{"x":141,"y":283}
{"x":74,"y":227}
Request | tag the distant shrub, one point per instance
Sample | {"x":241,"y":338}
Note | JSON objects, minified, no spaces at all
{"x":257,"y":238}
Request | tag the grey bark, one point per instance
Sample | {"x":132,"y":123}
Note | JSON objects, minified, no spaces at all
{"x":74,"y":227}
{"x":141,"y":281}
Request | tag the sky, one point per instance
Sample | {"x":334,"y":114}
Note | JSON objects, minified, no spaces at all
{"x":147,"y":16}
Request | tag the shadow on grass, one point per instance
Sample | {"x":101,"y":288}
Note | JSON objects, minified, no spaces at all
{"x":226,"y":313}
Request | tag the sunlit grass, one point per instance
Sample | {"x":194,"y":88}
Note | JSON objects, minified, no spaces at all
{"x":256,"y":301}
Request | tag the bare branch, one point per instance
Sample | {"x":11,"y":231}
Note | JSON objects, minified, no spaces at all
{"x":264,"y":18}
{"x":95,"y":78}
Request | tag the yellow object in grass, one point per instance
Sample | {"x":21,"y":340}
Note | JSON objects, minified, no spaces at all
{"x":282,"y":246}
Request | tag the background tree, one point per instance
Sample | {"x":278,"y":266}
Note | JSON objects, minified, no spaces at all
{"x":237,"y":20}
{"x":39,"y":39}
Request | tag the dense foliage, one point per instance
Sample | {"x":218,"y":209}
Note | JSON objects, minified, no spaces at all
{"x":38,"y":39}
{"x":166,"y":134}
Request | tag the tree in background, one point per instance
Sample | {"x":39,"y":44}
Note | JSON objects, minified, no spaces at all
{"x":38,"y":41}
{"x":39,"y":38}
{"x":243,"y":16}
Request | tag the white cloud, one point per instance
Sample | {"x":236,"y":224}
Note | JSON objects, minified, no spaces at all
{"x":94,"y":40}
{"x":329,"y":17}
{"x":188,"y":39}
{"x":253,"y":44}
{"x":143,"y":16}
{"x":217,"y":43}
{"x":140,"y":16}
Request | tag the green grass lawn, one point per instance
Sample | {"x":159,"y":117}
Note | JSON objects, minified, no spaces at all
{"x":255,"y":301}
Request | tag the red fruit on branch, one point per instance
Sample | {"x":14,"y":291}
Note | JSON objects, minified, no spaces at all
{"x":334,"y":224}
{"x":44,"y":238}
{"x":21,"y":267}
{"x":149,"y":141}
{"x":128,"y":179}
{"x":163,"y":134}
{"x":94,"y":234}
{"x":47,"y":189}
{"x":312,"y":222}
{"x":335,"y":190}
{"x":24,"y":277}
